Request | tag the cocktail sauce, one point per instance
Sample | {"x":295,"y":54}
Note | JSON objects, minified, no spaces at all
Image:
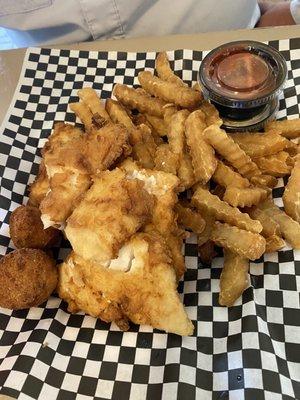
{"x":243,"y":80}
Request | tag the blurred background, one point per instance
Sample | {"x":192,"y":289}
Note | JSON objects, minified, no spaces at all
{"x":7,"y":42}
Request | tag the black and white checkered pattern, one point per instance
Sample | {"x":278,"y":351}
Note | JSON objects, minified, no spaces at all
{"x":250,"y":351}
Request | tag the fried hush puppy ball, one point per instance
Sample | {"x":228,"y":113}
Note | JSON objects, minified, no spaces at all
{"x":27,"y":230}
{"x":27,"y":278}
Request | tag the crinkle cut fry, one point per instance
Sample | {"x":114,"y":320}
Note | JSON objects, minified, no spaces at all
{"x":168,"y":91}
{"x":205,"y":235}
{"x":164,"y":70}
{"x":274,"y":243}
{"x":244,"y":243}
{"x":207,"y":202}
{"x":261,"y":144}
{"x":158,"y":124}
{"x":289,"y":128}
{"x":177,"y":143}
{"x":291,"y":195}
{"x":270,"y":227}
{"x":134,"y":99}
{"x":83,"y":113}
{"x":231,"y":151}
{"x":264,"y":181}
{"x":226,"y":176}
{"x":211,"y":113}
{"x":244,"y":197}
{"x":165,"y":160}
{"x":277,"y":165}
{"x":189,"y":218}
{"x":118,"y":114}
{"x":234,"y":278}
{"x":90,"y":98}
{"x":202,"y":153}
{"x":289,"y":228}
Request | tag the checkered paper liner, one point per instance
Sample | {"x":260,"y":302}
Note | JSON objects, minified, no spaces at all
{"x":249,"y":351}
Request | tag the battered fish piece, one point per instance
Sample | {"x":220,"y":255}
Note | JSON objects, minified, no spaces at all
{"x":70,"y":158}
{"x":139,"y":286}
{"x":26,"y":229}
{"x":164,"y":187}
{"x":40,"y":187}
{"x":102,"y":147}
{"x":111,"y":211}
{"x":68,"y":173}
{"x":27,"y":278}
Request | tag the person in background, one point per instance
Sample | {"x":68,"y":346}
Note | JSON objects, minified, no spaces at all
{"x":35,"y":22}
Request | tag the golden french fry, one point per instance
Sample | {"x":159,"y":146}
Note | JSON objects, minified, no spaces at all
{"x":140,"y":137}
{"x":274,"y":243}
{"x":148,"y":139}
{"x":143,"y":146}
{"x":140,"y":119}
{"x":135,"y":99}
{"x":177,"y":143}
{"x":290,"y":128}
{"x":244,"y":197}
{"x":246,"y":244}
{"x":169,"y":111}
{"x":291,"y":195}
{"x":270,"y":227}
{"x":83,"y":113}
{"x":207,"y":202}
{"x":226,"y":176}
{"x":231,"y":151}
{"x":289,"y":228}
{"x":165,"y":159}
{"x":158,"y":124}
{"x":186,"y":172}
{"x":164,"y":70}
{"x":118,"y":114}
{"x":207,"y":252}
{"x":203,"y":155}
{"x":275,"y":164}
{"x":175,"y":131}
{"x":189,"y":218}
{"x":264,"y":181}
{"x":261,"y":144}
{"x":234,"y":278}
{"x":90,"y":98}
{"x":204,"y":236}
{"x":211,"y":113}
{"x":182,"y":96}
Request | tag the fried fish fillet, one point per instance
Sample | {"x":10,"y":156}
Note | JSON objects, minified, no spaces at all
{"x":40,"y":187}
{"x":102,"y":147}
{"x":111,"y":211}
{"x":164,"y":187}
{"x":67,"y":171}
{"x":70,"y":158}
{"x":139,"y":286}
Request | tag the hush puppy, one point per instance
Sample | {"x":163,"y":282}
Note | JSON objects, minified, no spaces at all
{"x":27,"y":230}
{"x":27,"y":278}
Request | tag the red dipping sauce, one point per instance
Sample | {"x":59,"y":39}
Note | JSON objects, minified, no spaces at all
{"x":243,"y":79}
